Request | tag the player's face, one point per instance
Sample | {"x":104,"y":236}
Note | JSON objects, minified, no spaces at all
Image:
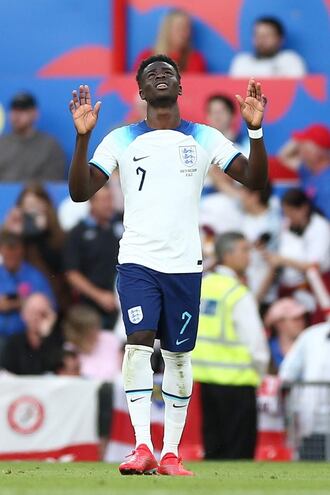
{"x":160,"y":85}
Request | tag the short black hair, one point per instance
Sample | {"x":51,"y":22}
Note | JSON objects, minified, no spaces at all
{"x":151,"y":60}
{"x":229,"y":103}
{"x":23,"y":101}
{"x":274,"y":22}
{"x":296,"y":197}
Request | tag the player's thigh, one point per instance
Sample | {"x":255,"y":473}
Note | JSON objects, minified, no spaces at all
{"x":140,"y":298}
{"x":180,"y":311}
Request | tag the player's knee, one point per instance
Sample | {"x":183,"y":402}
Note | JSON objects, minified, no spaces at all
{"x":146,"y":338}
{"x":180,"y":358}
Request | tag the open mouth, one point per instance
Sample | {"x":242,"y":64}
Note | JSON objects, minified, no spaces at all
{"x":162,"y":85}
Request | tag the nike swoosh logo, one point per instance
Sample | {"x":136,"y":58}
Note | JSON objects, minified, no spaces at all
{"x":134,"y":400}
{"x":140,"y":158}
{"x":174,"y":405}
{"x":178,"y":342}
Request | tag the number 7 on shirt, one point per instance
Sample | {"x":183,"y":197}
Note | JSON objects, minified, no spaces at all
{"x":138,"y":170}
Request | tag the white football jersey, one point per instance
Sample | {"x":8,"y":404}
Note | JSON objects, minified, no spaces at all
{"x":162,"y":174}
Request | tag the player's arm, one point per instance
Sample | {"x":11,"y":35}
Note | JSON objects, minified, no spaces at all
{"x":84,"y":180}
{"x":252,"y":172}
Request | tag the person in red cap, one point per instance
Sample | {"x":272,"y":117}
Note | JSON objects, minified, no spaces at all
{"x":309,"y":153}
{"x":285,"y":319}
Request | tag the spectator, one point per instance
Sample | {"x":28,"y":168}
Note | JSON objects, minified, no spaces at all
{"x":174,"y":40}
{"x":231,"y":354}
{"x":90,"y":258}
{"x":37,"y":350}
{"x":257,"y":216}
{"x":18,"y":280}
{"x":36,"y":220}
{"x":221,"y":114}
{"x":261,"y":224}
{"x":304,"y":242}
{"x":308,"y":361}
{"x":99,"y":357}
{"x":98,"y":350}
{"x":69,"y":362}
{"x":219,"y":212}
{"x":286,"y":319}
{"x":269,"y":58}
{"x":309,"y":152}
{"x":26,"y":153}
{"x":71,"y":213}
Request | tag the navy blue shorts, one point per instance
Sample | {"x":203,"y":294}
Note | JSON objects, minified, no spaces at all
{"x":167,"y":303}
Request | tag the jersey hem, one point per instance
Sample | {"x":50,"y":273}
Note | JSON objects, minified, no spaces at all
{"x":158,"y":268}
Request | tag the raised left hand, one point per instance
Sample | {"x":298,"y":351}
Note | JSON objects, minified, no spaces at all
{"x":253,"y":106}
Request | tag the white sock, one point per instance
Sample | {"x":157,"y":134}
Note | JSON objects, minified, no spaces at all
{"x":177,"y":388}
{"x":138,"y":384}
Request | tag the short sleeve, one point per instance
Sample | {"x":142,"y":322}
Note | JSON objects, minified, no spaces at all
{"x":108,"y":152}
{"x":221,"y":150}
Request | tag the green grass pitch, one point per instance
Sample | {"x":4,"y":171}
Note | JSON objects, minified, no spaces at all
{"x":226,"y":478}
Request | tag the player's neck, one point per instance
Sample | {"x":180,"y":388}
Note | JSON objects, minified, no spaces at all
{"x":163,"y":118}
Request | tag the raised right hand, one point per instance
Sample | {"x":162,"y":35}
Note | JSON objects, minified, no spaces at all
{"x":83,"y":113}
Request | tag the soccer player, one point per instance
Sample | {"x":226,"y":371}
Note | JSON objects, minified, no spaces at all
{"x":163,"y":162}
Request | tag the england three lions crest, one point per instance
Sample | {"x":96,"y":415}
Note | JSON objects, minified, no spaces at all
{"x":188,"y":155}
{"x":135,"y":314}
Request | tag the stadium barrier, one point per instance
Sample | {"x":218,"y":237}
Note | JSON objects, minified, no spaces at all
{"x":307,"y":416}
{"x":55,"y":419}
{"x":48,"y":418}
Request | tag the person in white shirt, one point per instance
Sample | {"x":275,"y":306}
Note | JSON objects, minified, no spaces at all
{"x":304,"y":241}
{"x":308,"y":360}
{"x":261,"y":226}
{"x":308,"y":364}
{"x":254,"y":213}
{"x":269,"y":58}
{"x":163,"y":162}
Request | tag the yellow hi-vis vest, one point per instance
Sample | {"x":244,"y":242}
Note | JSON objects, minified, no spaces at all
{"x":219,"y":357}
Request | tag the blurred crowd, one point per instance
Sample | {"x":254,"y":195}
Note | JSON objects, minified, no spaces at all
{"x":59,"y":310}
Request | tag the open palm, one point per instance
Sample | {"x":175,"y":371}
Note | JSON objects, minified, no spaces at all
{"x":83,"y":113}
{"x":253,"y":106}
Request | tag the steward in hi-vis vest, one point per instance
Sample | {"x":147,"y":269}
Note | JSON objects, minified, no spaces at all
{"x":220,"y":356}
{"x":231,"y":354}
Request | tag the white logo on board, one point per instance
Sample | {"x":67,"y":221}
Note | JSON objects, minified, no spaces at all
{"x":135,"y":314}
